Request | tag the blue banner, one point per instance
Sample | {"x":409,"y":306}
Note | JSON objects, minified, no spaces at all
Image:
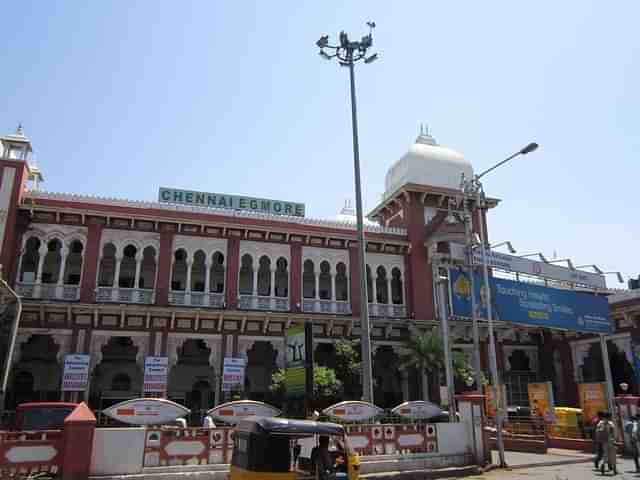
{"x":528,"y":304}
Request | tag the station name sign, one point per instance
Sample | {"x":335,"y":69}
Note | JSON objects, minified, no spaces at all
{"x":230,"y":202}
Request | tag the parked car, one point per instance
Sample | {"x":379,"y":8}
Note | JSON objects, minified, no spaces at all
{"x":42,"y":415}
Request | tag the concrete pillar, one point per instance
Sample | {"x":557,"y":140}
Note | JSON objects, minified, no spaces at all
{"x":333,"y":286}
{"x":316,"y":285}
{"x":254,"y":290}
{"x":187,"y":287}
{"x":38,"y":280}
{"x":136,"y":282}
{"x":233,"y":266}
{"x":295,"y":288}
{"x":374,"y":289}
{"x":272,"y":279}
{"x":471,"y":408}
{"x":207,"y":278}
{"x":90,"y":262}
{"x":63,"y":260}
{"x":79,"y":428}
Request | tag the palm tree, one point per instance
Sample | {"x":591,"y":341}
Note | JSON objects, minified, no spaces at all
{"x":426,"y":353}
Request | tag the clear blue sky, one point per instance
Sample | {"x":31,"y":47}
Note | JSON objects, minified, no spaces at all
{"x":120,"y":98}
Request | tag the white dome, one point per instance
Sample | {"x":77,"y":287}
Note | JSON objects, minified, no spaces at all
{"x":427,"y":163}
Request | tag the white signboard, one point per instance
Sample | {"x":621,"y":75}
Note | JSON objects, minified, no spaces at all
{"x":353,"y":411}
{"x":233,"y":374}
{"x":76,"y":373}
{"x":146,"y":411}
{"x":526,"y":266}
{"x":417,"y":409}
{"x":232,"y":412}
{"x":155,"y":374}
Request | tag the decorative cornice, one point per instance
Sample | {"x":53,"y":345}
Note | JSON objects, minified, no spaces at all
{"x":71,"y":197}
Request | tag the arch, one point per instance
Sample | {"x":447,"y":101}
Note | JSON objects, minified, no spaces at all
{"x":397,"y":294}
{"x":179,"y":271}
{"x":382,"y":285}
{"x":148,"y":269}
{"x":264,"y":276}
{"x":370,"y":298}
{"x":127,"y":277}
{"x":107,"y":266}
{"x":324,"y":281}
{"x":342,"y":283}
{"x":246,"y":275}
{"x":282,"y":278}
{"x":52,"y":260}
{"x":308,"y":280}
{"x":216,"y":282}
{"x":30,"y":260}
{"x":73,"y":263}
{"x":198,"y":271}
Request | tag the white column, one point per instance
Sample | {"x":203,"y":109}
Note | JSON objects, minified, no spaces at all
{"x":187,"y":287}
{"x":317,"y":285}
{"x":272,"y":289}
{"x":63,"y":260}
{"x":38,"y":280}
{"x":116,"y":279}
{"x":207,"y":282}
{"x":255,"y":282}
{"x":333,"y":292}
{"x":136,"y":282}
{"x":374,"y":289}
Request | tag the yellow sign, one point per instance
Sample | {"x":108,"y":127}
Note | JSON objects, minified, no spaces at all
{"x":492,"y":402}
{"x":593,"y":398}
{"x":541,"y":400}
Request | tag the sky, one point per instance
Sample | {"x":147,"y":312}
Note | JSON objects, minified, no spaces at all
{"x":120,"y":98}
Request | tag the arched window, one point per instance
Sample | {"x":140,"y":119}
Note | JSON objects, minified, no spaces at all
{"x":128,"y":267}
{"x":52,"y":259}
{"x":370,"y":298}
{"x":264,"y":276}
{"x":342,"y":286}
{"x":107,"y":266}
{"x":73,"y":264}
{"x":397,"y":296}
{"x":282,"y":278}
{"x":121,"y":383}
{"x":324,"y":282}
{"x":246,"y":275}
{"x":217,"y":273}
{"x":30,"y":259}
{"x":308,"y":280}
{"x":382,"y":286}
{"x":198,"y":271}
{"x":148,"y":269}
{"x":179,"y":276}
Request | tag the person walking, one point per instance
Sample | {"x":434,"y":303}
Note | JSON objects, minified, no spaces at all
{"x":609,"y":447}
{"x":597,"y":439}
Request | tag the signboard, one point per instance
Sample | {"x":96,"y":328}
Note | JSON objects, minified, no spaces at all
{"x":541,"y":401}
{"x":230,"y":202}
{"x":593,"y":399}
{"x":155,"y":375}
{"x":417,"y":410}
{"x":491,"y":403}
{"x":75,"y":376}
{"x":353,"y":411}
{"x":233,"y":412}
{"x":294,"y":373}
{"x":504,"y":261}
{"x":529,"y":304}
{"x":146,"y":411}
{"x":233,"y":374}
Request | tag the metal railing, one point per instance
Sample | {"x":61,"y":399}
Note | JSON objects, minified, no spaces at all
{"x":48,"y":291}
{"x":313,"y":305}
{"x":197,"y":299}
{"x":125,"y":295}
{"x":256,"y":302}
{"x":387,"y":310}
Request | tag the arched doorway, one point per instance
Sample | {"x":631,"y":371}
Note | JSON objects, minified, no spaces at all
{"x":261,"y":364}
{"x":387,"y":391}
{"x":621,"y":369}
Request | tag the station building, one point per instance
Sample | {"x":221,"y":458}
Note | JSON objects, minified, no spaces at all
{"x":198,"y":279}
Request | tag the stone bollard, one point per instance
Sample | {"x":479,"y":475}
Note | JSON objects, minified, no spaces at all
{"x":79,"y":427}
{"x":471,"y":408}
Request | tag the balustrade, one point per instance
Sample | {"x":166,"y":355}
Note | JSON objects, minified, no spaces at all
{"x":45,"y":291}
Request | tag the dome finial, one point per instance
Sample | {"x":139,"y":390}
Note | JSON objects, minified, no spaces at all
{"x":19,"y":131}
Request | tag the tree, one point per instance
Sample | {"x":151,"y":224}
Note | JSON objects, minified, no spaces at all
{"x":426,"y":353}
{"x":347,"y":367}
{"x":325,"y":383}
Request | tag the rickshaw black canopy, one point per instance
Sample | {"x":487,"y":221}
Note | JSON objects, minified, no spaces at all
{"x":284,"y":426}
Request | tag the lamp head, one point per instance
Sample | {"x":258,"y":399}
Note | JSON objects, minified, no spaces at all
{"x":323,"y":41}
{"x":371,"y":59}
{"x":511,"y":249}
{"x":529,"y":148}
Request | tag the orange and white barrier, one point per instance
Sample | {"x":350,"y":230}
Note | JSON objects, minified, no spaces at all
{"x":393,"y":439}
{"x":191,"y":446}
{"x":25,"y":453}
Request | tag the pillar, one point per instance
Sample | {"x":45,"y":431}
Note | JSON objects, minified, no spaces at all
{"x":38,"y":280}
{"x":420,"y":271}
{"x":316,"y":285}
{"x":333,"y":286}
{"x":254,"y":277}
{"x":296,"y":278}
{"x":116,"y":277}
{"x":207,"y":278}
{"x":374,"y":289}
{"x":63,"y":260}
{"x":90,"y":261}
{"x":471,"y":408}
{"x":272,"y":279}
{"x":354,"y":279}
{"x":78,"y":432}
{"x":164,"y":267}
{"x":136,"y":281}
{"x":233,"y":267}
{"x":407,"y":293}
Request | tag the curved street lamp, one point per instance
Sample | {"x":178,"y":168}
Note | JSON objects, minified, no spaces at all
{"x":348,"y":52}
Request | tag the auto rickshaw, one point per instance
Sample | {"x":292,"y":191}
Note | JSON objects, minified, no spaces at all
{"x":280,"y":449}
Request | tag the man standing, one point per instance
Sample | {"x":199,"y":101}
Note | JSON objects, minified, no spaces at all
{"x":609,"y":447}
{"x":598,"y":437}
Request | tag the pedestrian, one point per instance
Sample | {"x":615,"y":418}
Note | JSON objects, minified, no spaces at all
{"x":635,"y":440}
{"x":597,"y":439}
{"x":609,"y":448}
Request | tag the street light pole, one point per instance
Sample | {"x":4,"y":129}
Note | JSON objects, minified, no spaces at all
{"x":348,"y":53}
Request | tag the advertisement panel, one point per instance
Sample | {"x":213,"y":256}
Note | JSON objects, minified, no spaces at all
{"x":593,"y":399}
{"x":294,"y":374}
{"x":233,"y":374}
{"x":232,"y":412}
{"x":155,"y":375}
{"x":527,"y":266}
{"x":541,"y":401}
{"x":492,"y":403}
{"x":146,"y":411}
{"x":75,"y":376}
{"x":528,"y":304}
{"x":353,"y":411}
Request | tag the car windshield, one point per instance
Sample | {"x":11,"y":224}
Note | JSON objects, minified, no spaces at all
{"x":44,"y":418}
